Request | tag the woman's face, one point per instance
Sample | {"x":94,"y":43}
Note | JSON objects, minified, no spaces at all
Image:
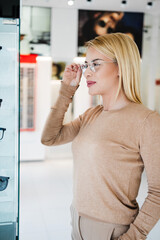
{"x":106,"y":21}
{"x":105,"y":78}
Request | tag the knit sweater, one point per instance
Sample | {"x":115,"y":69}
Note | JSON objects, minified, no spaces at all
{"x":110,"y":151}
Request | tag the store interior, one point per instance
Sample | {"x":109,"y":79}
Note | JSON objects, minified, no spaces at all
{"x":51,"y":38}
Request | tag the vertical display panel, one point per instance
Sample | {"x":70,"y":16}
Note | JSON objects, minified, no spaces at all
{"x":9,"y":128}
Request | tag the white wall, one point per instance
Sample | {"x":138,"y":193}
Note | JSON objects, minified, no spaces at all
{"x":30,"y":142}
{"x":64,"y":34}
{"x":150,"y":62}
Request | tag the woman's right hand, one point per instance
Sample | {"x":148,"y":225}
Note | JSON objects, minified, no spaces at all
{"x":72,"y":74}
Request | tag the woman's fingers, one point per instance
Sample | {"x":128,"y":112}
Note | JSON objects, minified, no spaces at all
{"x":72,"y":74}
{"x":76,"y":81}
{"x":79,"y":74}
{"x":73,"y":67}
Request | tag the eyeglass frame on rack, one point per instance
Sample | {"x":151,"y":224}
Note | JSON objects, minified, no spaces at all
{"x":2,"y":129}
{"x":1,"y":102}
{"x":4,"y":181}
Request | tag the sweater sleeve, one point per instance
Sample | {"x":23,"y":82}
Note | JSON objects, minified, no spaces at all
{"x":54,"y":132}
{"x":149,"y":213}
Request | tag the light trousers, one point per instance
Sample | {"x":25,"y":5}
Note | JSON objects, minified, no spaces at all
{"x":84,"y":228}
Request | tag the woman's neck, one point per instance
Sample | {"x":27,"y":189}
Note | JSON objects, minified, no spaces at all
{"x":110,"y":104}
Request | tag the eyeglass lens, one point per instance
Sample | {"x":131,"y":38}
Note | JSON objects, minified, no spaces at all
{"x":3,"y":182}
{"x":102,"y":23}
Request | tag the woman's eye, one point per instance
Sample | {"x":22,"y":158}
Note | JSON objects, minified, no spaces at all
{"x":96,"y":64}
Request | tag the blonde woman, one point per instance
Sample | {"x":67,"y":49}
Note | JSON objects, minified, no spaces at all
{"x":112,"y":144}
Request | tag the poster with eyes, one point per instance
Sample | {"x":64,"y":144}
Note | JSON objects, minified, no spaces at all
{"x":96,"y":23}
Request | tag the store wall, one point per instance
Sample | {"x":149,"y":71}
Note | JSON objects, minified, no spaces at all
{"x":31,"y":147}
{"x":150,"y":71}
{"x":64,"y":34}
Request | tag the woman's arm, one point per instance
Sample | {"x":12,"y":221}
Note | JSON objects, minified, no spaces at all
{"x":149,"y":213}
{"x":54,"y":132}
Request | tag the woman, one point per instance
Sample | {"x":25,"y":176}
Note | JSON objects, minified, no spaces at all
{"x":112,"y":143}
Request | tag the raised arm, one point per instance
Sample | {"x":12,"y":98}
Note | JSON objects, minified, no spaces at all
{"x":54,"y":132}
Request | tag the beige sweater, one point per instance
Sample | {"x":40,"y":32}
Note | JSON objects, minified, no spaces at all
{"x":110,"y":150}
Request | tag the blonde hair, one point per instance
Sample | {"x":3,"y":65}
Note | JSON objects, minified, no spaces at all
{"x":122,"y":49}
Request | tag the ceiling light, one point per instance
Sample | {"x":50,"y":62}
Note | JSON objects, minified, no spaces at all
{"x":70,"y":2}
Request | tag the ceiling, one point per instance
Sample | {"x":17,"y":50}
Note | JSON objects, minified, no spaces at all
{"x":131,"y":6}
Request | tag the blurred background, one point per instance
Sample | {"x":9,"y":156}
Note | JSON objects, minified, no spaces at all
{"x":53,"y":34}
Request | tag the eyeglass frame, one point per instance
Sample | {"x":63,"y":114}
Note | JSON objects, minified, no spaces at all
{"x":2,"y":129}
{"x":3,"y":182}
{"x":1,"y":102}
{"x":92,"y":68}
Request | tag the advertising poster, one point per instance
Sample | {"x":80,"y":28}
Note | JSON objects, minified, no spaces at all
{"x":96,"y":23}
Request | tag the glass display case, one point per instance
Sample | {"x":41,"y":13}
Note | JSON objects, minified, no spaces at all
{"x":9,"y":120}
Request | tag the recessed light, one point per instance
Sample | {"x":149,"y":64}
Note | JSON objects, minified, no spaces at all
{"x":70,"y":2}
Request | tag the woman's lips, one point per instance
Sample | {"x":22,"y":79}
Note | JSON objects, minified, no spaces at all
{"x":90,"y":83}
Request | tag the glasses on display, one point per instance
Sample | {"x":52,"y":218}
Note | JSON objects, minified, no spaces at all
{"x":94,"y":65}
{"x":2,"y":130}
{"x":3,"y":183}
{"x":0,"y":102}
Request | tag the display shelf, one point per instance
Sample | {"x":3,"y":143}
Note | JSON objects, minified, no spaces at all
{"x":27,"y":92}
{"x":7,"y":213}
{"x":9,"y":124}
{"x":8,"y":231}
{"x":6,"y":161}
{"x":8,"y":102}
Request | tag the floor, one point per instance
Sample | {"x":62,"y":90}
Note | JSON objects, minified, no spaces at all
{"x":45,"y":198}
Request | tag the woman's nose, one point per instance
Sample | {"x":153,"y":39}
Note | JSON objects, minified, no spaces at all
{"x":88,"y":72}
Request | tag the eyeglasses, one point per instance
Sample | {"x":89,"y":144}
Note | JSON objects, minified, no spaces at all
{"x":3,"y":182}
{"x":94,"y":65}
{"x":102,"y":23}
{"x":2,"y":130}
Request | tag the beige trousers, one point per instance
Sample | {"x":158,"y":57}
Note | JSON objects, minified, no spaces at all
{"x":88,"y":229}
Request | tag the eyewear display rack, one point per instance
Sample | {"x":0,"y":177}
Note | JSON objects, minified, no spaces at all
{"x":27,"y":92}
{"x":9,"y":120}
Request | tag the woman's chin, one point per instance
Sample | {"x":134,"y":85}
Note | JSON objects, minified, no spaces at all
{"x":92,"y":93}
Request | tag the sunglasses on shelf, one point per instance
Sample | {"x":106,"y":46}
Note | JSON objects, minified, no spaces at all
{"x":3,"y":183}
{"x":0,"y":102}
{"x":2,"y":130}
